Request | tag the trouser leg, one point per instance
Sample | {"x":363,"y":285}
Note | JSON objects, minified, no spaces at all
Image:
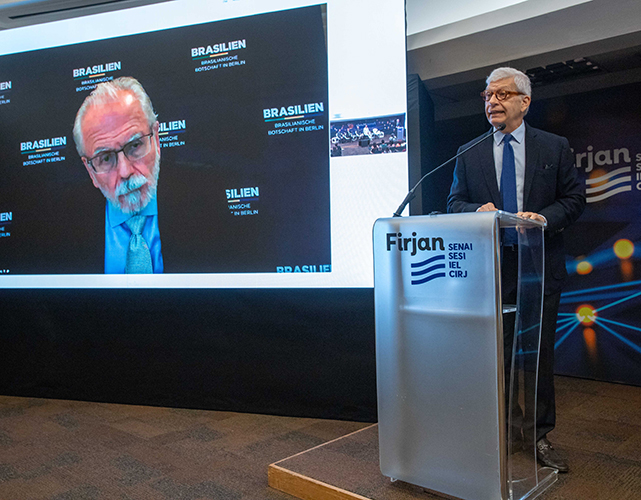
{"x":546,"y":408}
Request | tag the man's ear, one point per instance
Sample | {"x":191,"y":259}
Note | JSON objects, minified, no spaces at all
{"x":525,"y":102}
{"x":90,"y":171}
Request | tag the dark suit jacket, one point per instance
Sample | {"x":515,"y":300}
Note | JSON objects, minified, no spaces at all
{"x":552,"y":188}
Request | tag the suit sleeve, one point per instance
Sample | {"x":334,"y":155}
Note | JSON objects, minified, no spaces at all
{"x":459,"y":199}
{"x":570,"y":193}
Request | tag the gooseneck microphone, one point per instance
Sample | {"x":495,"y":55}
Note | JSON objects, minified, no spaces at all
{"x":410,"y":196}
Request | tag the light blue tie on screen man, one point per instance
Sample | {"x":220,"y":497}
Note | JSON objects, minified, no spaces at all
{"x":138,"y":254}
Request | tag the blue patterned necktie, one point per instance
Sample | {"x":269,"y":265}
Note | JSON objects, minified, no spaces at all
{"x":508,"y":187}
{"x":138,"y":254}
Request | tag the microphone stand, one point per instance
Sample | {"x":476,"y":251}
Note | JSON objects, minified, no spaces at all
{"x":410,"y":196}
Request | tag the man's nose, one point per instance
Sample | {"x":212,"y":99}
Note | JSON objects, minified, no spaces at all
{"x":125,"y":166}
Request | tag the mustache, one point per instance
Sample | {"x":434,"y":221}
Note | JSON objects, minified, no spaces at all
{"x":134,"y":182}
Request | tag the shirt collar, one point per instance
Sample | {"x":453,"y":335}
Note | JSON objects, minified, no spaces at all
{"x":517,"y":135}
{"x":116,"y":217}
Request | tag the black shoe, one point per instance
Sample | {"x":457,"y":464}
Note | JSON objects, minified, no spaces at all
{"x":548,"y":457}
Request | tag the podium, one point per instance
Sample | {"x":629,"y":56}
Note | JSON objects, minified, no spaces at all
{"x":456,"y":413}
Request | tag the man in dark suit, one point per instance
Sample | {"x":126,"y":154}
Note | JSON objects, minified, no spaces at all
{"x":531,"y":173}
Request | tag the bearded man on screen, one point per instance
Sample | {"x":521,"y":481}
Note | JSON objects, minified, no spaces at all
{"x":116,"y":135}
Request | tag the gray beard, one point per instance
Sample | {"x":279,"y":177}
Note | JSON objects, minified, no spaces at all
{"x":134,"y":200}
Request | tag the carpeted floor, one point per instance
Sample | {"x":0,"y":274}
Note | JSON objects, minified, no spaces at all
{"x":69,"y":450}
{"x":598,"y":431}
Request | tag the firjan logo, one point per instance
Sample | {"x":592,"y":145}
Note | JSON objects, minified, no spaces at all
{"x":428,"y":269}
{"x":604,"y":186}
{"x":425,"y":270}
{"x":413,"y":244}
{"x":602,"y":182}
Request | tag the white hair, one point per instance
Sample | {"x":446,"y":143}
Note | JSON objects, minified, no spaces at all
{"x":521,"y":80}
{"x":109,"y":92}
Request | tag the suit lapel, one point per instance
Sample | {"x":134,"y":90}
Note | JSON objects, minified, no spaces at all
{"x":486,"y":154}
{"x":532,"y":152}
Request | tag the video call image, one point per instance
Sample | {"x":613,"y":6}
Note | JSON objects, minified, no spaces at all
{"x":216,"y":133}
{"x":377,"y":135}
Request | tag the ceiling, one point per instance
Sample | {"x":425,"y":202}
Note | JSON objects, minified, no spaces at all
{"x":582,"y":47}
{"x":552,"y":74}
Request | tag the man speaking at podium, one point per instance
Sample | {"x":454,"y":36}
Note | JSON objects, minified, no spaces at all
{"x":531,"y":173}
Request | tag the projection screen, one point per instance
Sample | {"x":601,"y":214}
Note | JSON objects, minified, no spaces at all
{"x":280,"y":138}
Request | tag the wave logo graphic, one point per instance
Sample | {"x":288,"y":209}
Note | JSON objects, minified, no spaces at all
{"x":428,"y":270}
{"x":605,"y":186}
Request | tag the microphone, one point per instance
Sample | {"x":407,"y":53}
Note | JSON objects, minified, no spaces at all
{"x":410,"y":196}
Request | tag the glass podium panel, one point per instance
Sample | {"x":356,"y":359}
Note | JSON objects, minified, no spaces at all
{"x":447,"y":404}
{"x":525,"y":479}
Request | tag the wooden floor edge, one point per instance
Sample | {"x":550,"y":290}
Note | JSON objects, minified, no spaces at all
{"x":305,"y":487}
